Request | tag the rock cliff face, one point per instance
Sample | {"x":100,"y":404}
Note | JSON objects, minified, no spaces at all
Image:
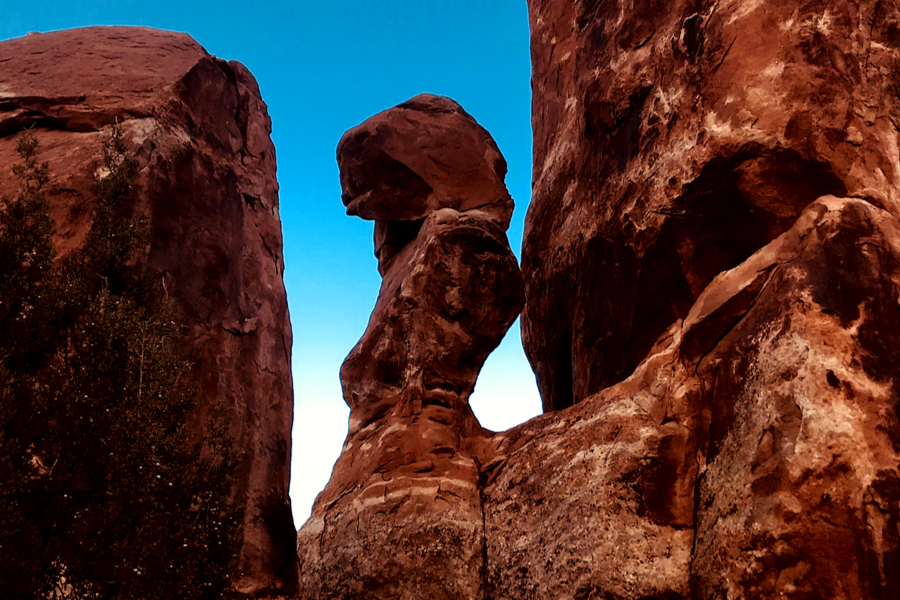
{"x":200,"y":133}
{"x":673,"y":140}
{"x":708,"y":179}
{"x":712,"y":278}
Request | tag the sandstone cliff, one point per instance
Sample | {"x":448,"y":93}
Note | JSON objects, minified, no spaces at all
{"x":200,"y":133}
{"x":711,"y":268}
{"x":715,"y":196}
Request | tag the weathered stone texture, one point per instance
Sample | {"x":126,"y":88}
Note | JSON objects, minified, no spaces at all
{"x":200,"y":133}
{"x":800,"y":496}
{"x":712,"y":272}
{"x":402,"y":514}
{"x":715,"y":213}
{"x":403,"y":164}
{"x":672,"y":140}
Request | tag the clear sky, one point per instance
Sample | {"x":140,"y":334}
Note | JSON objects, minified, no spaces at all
{"x":323,"y":67}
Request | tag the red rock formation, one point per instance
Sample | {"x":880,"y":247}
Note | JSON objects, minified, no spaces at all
{"x":799,"y":494}
{"x":753,"y":454}
{"x":712,"y":272}
{"x":401,"y":516}
{"x":671,"y":144}
{"x":200,"y":132}
{"x":681,"y":223}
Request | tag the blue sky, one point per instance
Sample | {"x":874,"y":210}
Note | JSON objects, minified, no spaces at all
{"x":324,"y":67}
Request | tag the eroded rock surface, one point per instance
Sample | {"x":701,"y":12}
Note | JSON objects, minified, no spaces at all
{"x":200,"y":133}
{"x":672,"y":140}
{"x":712,"y":271}
{"x":701,"y":170}
{"x":799,"y":496}
{"x":402,"y":514}
{"x":753,"y":454}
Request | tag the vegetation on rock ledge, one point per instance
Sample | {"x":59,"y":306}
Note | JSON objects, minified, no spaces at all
{"x":103,"y":492}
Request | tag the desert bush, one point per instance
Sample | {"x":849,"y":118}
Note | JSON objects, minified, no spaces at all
{"x":104,"y":492}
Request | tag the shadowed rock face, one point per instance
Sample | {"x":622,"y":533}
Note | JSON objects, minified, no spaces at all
{"x":200,"y":133}
{"x":712,"y":273}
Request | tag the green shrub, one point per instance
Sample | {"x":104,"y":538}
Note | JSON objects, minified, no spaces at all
{"x":104,"y":493}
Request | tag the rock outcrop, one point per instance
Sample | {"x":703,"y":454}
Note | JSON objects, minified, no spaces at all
{"x":753,"y":454}
{"x":712,"y":272}
{"x":402,"y":514}
{"x":673,"y":141}
{"x":200,"y":133}
{"x":707,"y":181}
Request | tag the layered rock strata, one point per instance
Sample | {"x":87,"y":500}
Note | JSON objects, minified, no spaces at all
{"x":199,"y":131}
{"x":712,"y":272}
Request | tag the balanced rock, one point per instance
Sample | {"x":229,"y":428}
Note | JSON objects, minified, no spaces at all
{"x":199,"y":131}
{"x":402,"y":515}
{"x":403,"y":164}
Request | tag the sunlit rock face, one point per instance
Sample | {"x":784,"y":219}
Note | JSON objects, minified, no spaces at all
{"x":714,"y":221}
{"x":712,"y":278}
{"x":199,"y":131}
{"x":673,"y":140}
